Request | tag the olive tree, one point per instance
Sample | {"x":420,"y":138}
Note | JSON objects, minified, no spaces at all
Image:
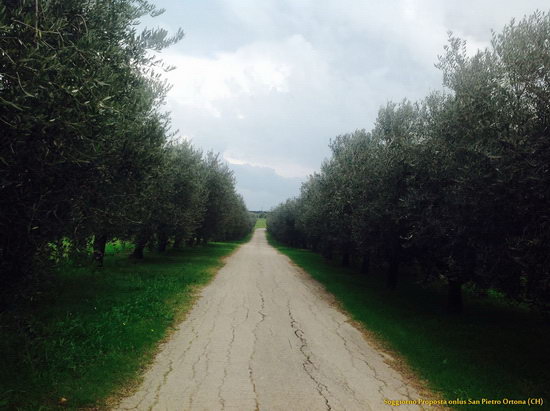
{"x":77,"y":100}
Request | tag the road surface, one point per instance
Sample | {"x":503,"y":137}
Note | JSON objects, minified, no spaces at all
{"x":265,"y":336}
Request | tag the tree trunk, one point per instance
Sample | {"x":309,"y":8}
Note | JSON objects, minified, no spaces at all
{"x":327,"y":252}
{"x":138,"y":252}
{"x":393,"y":273}
{"x":177,"y":242}
{"x":454,"y":300}
{"x":162,"y":242}
{"x":365,"y":264}
{"x":141,"y":242}
{"x":345,"y":258}
{"x":16,"y":266}
{"x":395,"y":262}
{"x":99,"y":249}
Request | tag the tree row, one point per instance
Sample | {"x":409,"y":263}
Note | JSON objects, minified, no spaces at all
{"x":453,"y":188}
{"x":86,"y":155}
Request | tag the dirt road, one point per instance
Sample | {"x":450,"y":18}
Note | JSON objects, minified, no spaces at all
{"x":264,"y":336}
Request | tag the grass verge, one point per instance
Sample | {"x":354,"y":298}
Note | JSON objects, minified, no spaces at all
{"x":494,"y":350}
{"x":260,"y":223}
{"x":91,"y":333}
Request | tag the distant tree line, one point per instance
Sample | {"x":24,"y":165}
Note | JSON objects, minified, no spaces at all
{"x":86,"y":155}
{"x":455,"y":186}
{"x":259,"y":214}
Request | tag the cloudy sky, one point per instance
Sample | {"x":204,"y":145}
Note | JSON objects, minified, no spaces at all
{"x":268,"y":83}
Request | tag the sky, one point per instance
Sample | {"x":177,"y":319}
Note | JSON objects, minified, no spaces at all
{"x":268,"y":83}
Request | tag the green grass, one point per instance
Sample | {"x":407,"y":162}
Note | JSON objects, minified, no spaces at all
{"x":116,"y":246}
{"x":493,"y":351}
{"x":260,"y":223}
{"x":89,"y":335}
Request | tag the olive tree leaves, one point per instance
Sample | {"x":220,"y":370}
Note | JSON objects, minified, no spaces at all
{"x":85,"y":150}
{"x":455,"y":186}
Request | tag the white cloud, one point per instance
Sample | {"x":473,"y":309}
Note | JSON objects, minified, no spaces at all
{"x":269,"y":83}
{"x":282,"y":169}
{"x":262,"y":187}
{"x":202,"y":83}
{"x":256,"y":102}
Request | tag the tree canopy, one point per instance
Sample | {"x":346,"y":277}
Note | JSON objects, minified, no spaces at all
{"x":455,"y":186}
{"x":86,"y":153}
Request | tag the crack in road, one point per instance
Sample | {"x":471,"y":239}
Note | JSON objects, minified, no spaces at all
{"x":204,"y":354}
{"x":307,"y":362}
{"x":227,"y":363}
{"x":265,"y":335}
{"x":254,"y":332}
{"x":228,"y":353}
{"x":382,"y":383}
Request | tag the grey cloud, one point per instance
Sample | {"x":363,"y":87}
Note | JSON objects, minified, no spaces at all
{"x":262,"y":187}
{"x":345,"y":58}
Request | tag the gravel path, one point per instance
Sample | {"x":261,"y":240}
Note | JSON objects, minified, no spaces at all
{"x":264,"y":336}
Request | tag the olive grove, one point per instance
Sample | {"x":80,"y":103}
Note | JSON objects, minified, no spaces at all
{"x":455,"y":187}
{"x":86,"y":154}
